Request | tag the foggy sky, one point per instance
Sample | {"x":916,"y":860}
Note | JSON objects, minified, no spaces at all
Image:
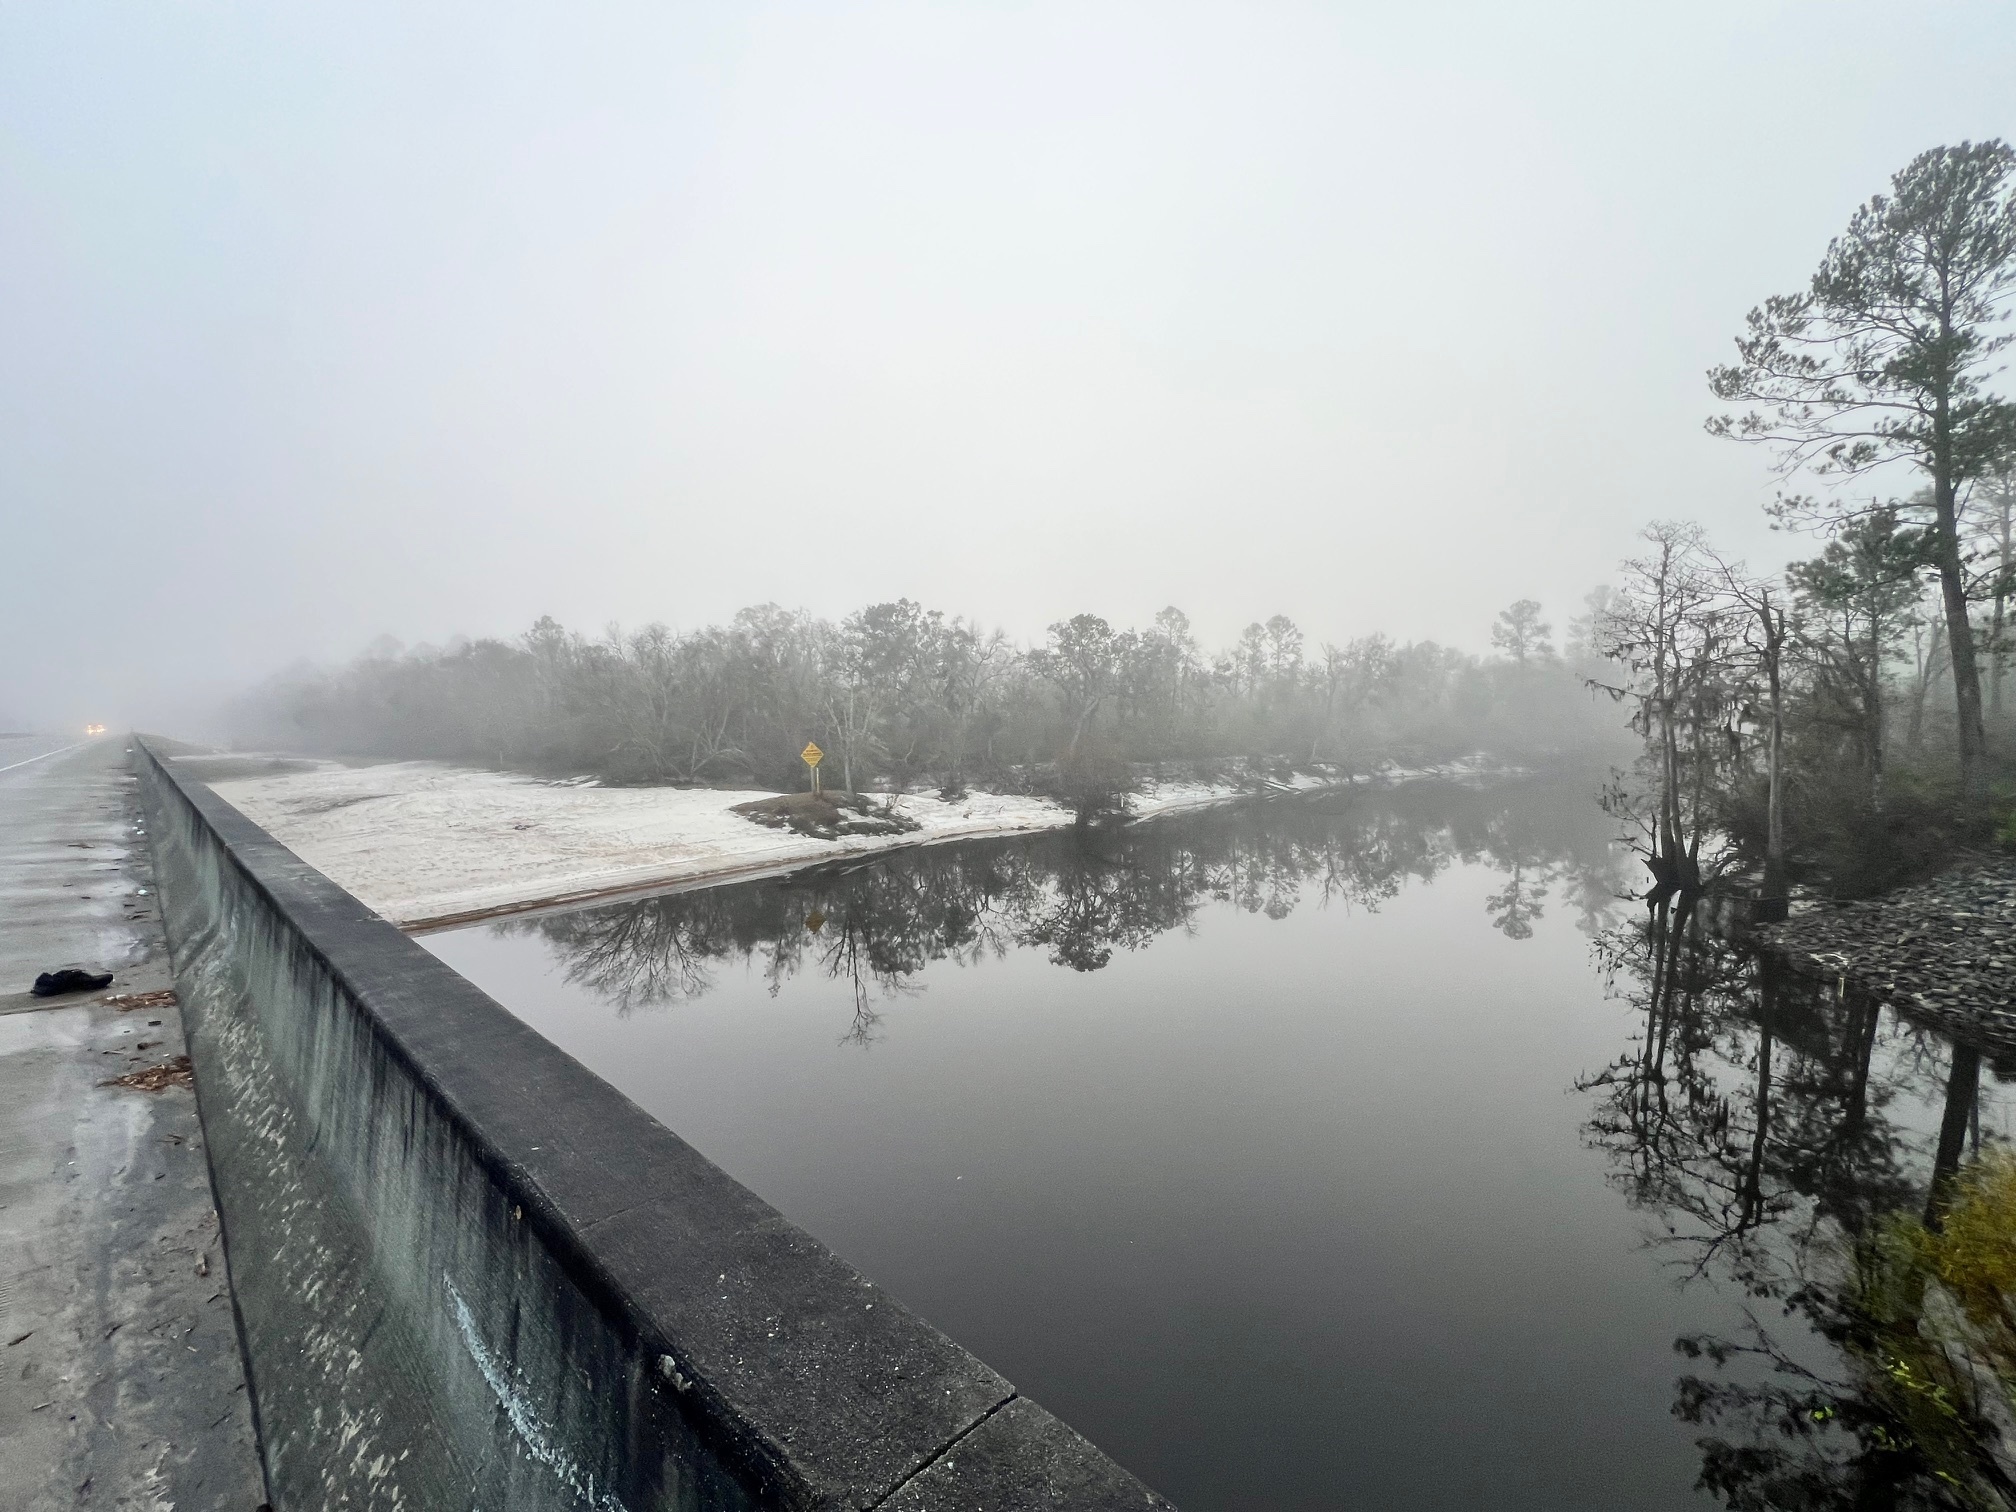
{"x":322,"y":322}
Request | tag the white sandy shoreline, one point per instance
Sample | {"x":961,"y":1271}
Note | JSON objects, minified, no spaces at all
{"x":429,"y":846}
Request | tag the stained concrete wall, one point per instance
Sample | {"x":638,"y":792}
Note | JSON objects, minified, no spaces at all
{"x":472,"y":1274}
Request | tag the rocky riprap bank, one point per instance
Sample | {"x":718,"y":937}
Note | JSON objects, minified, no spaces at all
{"x":1944,"y":950}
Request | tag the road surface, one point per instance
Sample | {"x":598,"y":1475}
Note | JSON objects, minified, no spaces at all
{"x":121,"y":1383}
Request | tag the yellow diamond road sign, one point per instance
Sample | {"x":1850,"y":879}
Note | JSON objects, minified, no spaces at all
{"x":811,"y":754}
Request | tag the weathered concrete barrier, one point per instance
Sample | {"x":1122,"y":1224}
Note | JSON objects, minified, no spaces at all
{"x":472,"y":1274}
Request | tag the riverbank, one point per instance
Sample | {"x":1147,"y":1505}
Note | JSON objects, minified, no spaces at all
{"x":1944,"y":950}
{"x":428,"y":846}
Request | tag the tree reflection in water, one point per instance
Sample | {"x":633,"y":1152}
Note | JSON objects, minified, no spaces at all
{"x":1765,"y":1127}
{"x":1080,"y":897}
{"x":1796,"y":1147}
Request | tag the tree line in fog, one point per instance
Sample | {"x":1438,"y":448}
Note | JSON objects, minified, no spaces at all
{"x":899,"y":694}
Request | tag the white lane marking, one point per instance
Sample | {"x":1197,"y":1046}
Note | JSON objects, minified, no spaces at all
{"x":46,"y":755}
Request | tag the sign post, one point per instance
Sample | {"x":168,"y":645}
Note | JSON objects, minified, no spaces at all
{"x":812,"y":756}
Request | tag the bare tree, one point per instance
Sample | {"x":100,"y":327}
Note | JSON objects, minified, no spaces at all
{"x":1668,"y":637}
{"x":1763,"y":637}
{"x":1585,"y":628}
{"x":1351,"y":677}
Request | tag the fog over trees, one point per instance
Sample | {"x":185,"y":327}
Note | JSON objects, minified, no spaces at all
{"x":900,"y":695}
{"x":1841,"y":723}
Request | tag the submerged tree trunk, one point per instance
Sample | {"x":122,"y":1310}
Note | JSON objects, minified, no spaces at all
{"x":1962,"y":1085}
{"x":1753,"y":1172}
{"x":1864,"y":1027}
{"x":1668,"y":860}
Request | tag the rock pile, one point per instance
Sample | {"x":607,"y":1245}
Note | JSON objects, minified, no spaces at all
{"x":827,"y":816}
{"x":1944,"y":950}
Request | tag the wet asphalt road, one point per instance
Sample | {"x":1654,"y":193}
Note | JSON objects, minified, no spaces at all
{"x":121,"y":1383}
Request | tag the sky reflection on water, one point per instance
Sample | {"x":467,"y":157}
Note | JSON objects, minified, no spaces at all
{"x":1356,"y":1152}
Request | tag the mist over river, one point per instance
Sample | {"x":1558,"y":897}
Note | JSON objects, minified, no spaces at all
{"x":1362,"y":1150}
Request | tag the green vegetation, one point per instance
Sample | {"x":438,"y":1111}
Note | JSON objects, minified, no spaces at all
{"x":1928,"y":1322}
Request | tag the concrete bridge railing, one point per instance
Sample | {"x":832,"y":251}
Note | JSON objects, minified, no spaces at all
{"x":470,"y":1274}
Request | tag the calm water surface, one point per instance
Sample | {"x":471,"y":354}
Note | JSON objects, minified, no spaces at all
{"x":1355,"y":1152}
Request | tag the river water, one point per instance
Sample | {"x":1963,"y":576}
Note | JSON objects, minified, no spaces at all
{"x":1358,"y":1151}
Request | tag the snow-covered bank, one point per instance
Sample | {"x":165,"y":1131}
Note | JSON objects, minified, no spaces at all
{"x":427,"y":845}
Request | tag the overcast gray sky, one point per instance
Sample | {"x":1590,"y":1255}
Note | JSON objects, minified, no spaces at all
{"x":319,"y":322}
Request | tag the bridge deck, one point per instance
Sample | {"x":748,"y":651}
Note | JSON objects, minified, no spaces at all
{"x":121,"y":1382}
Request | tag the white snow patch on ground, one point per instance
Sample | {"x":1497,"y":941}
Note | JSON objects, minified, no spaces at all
{"x":422,"y":843}
{"x":425,"y":844}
